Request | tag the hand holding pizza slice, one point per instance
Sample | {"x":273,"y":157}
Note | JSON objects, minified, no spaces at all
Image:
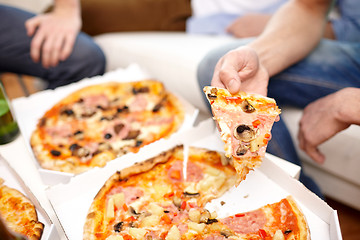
{"x":245,"y":121}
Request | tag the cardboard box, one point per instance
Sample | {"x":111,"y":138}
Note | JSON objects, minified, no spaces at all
{"x":28,"y":110}
{"x":267,"y":184}
{"x":13,"y":180}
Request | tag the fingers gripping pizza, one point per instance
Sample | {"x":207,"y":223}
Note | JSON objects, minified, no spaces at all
{"x":98,"y":123}
{"x":18,"y":213}
{"x":165,"y":198}
{"x":245,"y":121}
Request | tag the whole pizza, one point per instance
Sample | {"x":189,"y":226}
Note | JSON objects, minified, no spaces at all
{"x":165,"y":197}
{"x":98,"y":123}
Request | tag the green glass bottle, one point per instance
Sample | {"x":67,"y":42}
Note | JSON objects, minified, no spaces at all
{"x":8,"y":126}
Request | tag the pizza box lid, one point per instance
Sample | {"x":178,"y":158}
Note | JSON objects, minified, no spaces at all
{"x":264,"y":185}
{"x":13,"y":180}
{"x":28,"y":110}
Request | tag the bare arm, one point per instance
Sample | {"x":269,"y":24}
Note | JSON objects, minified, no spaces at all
{"x":291,"y":34}
{"x":54,"y":33}
{"x":293,"y":31}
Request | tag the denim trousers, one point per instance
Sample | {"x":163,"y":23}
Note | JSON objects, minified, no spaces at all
{"x":333,"y":65}
{"x":86,"y":60}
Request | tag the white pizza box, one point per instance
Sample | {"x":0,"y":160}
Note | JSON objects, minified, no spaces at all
{"x":28,"y":110}
{"x":13,"y":180}
{"x":264,"y":185}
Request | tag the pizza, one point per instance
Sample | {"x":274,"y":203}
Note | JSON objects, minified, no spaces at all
{"x":18,"y":213}
{"x":99,"y":123}
{"x":165,"y":197}
{"x":245,"y":121}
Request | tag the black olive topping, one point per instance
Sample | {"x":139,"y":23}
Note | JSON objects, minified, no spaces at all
{"x":118,"y":227}
{"x":78,"y":132}
{"x":68,"y":112}
{"x":74,"y":147}
{"x":107,"y":136}
{"x":288,"y":231}
{"x":55,"y":153}
{"x":138,"y":143}
{"x":166,"y":211}
{"x":122,"y":109}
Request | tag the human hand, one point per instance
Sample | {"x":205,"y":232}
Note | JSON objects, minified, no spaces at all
{"x":250,"y":25}
{"x":240,"y":69}
{"x":54,"y":35}
{"x":325,"y":117}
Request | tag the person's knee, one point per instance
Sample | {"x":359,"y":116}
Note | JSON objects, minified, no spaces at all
{"x":89,"y":54}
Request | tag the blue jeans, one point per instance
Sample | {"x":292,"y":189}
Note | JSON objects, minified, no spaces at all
{"x":333,"y":65}
{"x":86,"y":60}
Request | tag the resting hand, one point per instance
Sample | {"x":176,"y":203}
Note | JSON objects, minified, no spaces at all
{"x":240,"y":69}
{"x":54,"y":35}
{"x":325,"y":117}
{"x":250,"y":25}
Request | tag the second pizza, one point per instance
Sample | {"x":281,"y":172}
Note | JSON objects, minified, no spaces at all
{"x":98,"y":123}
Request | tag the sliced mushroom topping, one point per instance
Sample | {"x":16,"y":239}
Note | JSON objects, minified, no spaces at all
{"x":244,"y":133}
{"x":247,"y":107}
{"x":42,"y":122}
{"x":133,"y":211}
{"x":141,"y":90}
{"x":103,"y":146}
{"x":132,"y":134}
{"x":81,"y":152}
{"x":213,"y":94}
{"x":226,"y":233}
{"x":177,"y":201}
{"x":190,"y":194}
{"x":118,"y":127}
{"x":204,"y":216}
{"x":118,"y":227}
{"x":224,"y":160}
{"x":242,"y":149}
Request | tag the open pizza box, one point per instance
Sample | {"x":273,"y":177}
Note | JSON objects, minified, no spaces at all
{"x":267,"y":184}
{"x":28,"y":110}
{"x":13,"y":180}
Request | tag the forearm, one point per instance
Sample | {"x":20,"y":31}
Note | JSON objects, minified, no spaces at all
{"x":348,"y":107}
{"x":291,"y":34}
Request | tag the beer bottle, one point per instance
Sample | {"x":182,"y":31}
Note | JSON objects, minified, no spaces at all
{"x":8,"y":125}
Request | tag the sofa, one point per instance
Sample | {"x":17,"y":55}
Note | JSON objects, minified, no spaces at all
{"x":167,"y":53}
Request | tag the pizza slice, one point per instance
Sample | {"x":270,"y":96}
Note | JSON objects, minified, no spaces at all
{"x":245,"y":121}
{"x":18,"y":213}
